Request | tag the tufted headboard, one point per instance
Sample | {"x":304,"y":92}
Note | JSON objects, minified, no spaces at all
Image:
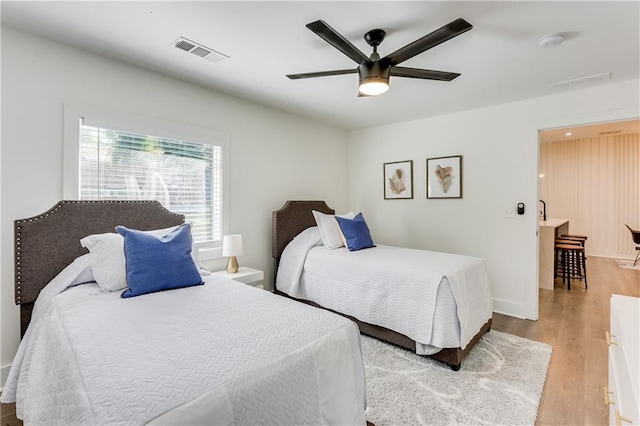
{"x":45,"y":244}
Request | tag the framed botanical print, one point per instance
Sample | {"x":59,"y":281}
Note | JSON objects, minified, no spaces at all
{"x":444,"y":177}
{"x":398,"y":180}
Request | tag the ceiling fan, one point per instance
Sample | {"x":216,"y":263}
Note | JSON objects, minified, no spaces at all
{"x":374,"y":72}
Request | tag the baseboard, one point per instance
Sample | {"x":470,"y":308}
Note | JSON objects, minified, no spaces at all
{"x":622,"y":256}
{"x":508,"y":308}
{"x":4,"y":373}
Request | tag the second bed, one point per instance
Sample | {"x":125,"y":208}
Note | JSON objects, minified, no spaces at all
{"x":433,"y":303}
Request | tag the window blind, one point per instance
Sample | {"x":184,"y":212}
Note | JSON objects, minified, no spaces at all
{"x":186,"y":177}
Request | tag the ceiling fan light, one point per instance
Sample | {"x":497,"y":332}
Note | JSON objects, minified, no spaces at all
{"x":374,"y":79}
{"x":373,"y":86}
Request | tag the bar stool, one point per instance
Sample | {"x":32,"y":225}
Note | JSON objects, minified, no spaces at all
{"x":557,"y":262}
{"x":572,"y":263}
{"x":574,"y":237}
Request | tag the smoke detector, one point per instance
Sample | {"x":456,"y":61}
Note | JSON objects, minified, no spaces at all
{"x":199,"y":50}
{"x":551,"y":40}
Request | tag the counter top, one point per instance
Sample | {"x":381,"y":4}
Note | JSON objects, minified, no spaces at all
{"x":548,"y":231}
{"x":552,"y":222}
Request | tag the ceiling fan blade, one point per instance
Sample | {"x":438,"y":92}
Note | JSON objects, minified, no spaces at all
{"x":442,"y":34}
{"x":322,"y":74}
{"x":424,"y":74}
{"x":335,"y":39}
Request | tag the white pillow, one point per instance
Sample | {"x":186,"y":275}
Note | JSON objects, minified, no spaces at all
{"x":330,"y":232}
{"x":107,"y":258}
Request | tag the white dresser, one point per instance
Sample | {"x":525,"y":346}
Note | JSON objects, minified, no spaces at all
{"x":623,"y":392}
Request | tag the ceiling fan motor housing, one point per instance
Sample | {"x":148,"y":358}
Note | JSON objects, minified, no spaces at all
{"x":370,"y":71}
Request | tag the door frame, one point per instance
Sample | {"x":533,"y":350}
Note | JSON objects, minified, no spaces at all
{"x":623,"y":114}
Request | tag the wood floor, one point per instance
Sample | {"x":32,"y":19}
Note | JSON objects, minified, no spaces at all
{"x":573,"y":322}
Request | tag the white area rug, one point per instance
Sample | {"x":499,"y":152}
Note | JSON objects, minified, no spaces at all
{"x":627,"y":264}
{"x":500,"y":383}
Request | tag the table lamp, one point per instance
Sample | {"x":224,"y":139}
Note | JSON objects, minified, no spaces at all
{"x":232,"y":247}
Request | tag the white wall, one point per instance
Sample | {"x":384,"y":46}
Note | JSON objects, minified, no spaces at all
{"x":499,"y":146}
{"x":274,"y":156}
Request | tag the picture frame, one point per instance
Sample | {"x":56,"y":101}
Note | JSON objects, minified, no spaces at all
{"x":444,"y":177}
{"x":398,"y":180}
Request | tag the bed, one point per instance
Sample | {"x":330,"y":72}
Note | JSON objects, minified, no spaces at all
{"x":218,"y":352}
{"x":432,"y":303}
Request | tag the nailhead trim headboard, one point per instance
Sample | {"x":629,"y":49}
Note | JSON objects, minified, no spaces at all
{"x":293,"y":218}
{"x":45,"y":244}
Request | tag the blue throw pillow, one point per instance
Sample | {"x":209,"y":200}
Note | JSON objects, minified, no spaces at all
{"x":356,"y":232}
{"x":158,"y":263}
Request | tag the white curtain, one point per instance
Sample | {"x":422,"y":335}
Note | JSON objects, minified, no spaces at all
{"x":595,"y":183}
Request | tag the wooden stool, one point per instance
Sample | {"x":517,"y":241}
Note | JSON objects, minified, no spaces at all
{"x":561,"y":240}
{"x":580,"y":237}
{"x":573,"y":237}
{"x":557,"y":262}
{"x":572,"y":263}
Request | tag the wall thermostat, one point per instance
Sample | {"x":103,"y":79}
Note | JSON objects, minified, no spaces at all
{"x":520,"y":208}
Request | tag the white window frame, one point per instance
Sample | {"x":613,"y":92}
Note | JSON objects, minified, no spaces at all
{"x":73,"y":113}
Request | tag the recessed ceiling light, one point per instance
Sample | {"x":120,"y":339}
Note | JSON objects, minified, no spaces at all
{"x":551,"y":40}
{"x":541,"y":175}
{"x":568,"y":134}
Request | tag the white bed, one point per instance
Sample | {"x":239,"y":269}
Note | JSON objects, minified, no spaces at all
{"x":431,"y":300}
{"x":218,"y":353}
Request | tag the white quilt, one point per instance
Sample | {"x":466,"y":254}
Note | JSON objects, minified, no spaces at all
{"x":220,"y":353}
{"x":413,"y":292}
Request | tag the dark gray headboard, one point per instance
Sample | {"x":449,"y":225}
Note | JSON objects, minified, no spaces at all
{"x":293,"y":218}
{"x":45,"y":244}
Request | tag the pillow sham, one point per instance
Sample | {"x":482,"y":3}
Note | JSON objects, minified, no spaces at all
{"x":329,"y":230}
{"x":356,"y":232}
{"x":107,"y":257}
{"x":158,"y":263}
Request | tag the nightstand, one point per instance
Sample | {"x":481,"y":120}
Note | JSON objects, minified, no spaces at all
{"x":245,"y":275}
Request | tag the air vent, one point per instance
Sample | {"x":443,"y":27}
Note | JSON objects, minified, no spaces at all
{"x":199,"y":50}
{"x":582,"y":81}
{"x":184,"y":45}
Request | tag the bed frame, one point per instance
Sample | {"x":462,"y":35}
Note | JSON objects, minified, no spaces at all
{"x":45,"y":244}
{"x":296,"y":216}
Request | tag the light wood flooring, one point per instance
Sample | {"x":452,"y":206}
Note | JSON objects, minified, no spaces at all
{"x":573,"y":322}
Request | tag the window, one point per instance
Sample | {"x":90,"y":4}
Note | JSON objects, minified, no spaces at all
{"x":146,"y":160}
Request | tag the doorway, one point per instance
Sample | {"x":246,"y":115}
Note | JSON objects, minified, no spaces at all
{"x":588,"y":174}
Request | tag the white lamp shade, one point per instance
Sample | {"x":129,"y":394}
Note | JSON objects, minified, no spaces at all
{"x":232,"y":245}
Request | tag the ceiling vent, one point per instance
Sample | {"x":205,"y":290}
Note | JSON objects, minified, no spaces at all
{"x":582,"y":81}
{"x":199,"y":50}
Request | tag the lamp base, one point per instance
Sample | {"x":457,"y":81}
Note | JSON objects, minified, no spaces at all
{"x":232,"y":265}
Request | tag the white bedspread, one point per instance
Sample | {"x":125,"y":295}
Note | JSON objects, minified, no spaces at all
{"x":397,"y":288}
{"x":222,"y":353}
